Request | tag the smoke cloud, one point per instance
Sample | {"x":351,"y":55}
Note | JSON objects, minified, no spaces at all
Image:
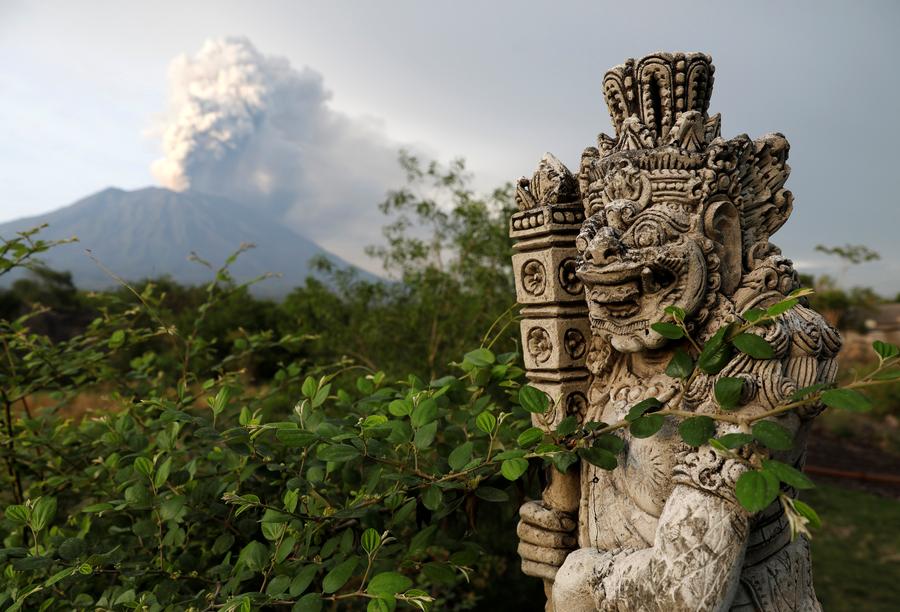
{"x":253,"y":128}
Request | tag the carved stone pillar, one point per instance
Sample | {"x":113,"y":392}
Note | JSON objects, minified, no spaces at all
{"x":555,"y":328}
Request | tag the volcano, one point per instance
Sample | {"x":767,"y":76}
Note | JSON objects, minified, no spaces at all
{"x":152,"y":232}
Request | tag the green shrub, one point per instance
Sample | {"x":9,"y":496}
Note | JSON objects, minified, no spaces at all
{"x":200,"y":487}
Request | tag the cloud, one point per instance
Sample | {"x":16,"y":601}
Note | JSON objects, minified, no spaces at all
{"x":255,"y":129}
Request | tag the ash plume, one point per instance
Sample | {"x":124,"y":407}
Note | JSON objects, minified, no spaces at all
{"x":253,"y":128}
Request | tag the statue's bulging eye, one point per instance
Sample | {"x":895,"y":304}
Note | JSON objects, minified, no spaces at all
{"x":648,"y":234}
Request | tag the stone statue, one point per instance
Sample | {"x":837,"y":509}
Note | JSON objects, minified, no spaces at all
{"x":666,"y":213}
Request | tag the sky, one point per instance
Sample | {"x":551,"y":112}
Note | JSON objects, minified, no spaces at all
{"x":89,"y":90}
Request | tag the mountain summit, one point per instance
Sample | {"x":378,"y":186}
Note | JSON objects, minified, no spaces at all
{"x":151,"y":232}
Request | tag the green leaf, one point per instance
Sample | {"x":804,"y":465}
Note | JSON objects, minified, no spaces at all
{"x":728,"y":392}
{"x":651,"y":404}
{"x":491,"y":494}
{"x":756,"y":490}
{"x":381,"y":604}
{"x":424,"y":413}
{"x":217,"y":404}
{"x":512,"y":469}
{"x":562,"y":461}
{"x":273,"y":525}
{"x":170,"y":508}
{"x":310,"y":386}
{"x":400,"y":407}
{"x":440,"y":572}
{"x":598,"y":456}
{"x":370,"y":540}
{"x":681,"y":365}
{"x":374,"y":421}
{"x":320,"y":396}
{"x":302,"y":580}
{"x":125,"y":597}
{"x":59,"y":576}
{"x":486,"y":422}
{"x":311,"y":602}
{"x":18,"y":513}
{"x":432,"y":498}
{"x":117,"y":339}
{"x":781,"y":307}
{"x":567,"y":426}
{"x":668,"y":330}
{"x":143,"y":466}
{"x":162,"y":473}
{"x":460,"y":456}
{"x":772,"y":435}
{"x":222,"y":544}
{"x":425,"y":435}
{"x":610,"y":442}
{"x":337,"y":452}
{"x":801,"y":393}
{"x":886,"y":350}
{"x":364,"y":385}
{"x":71,"y":549}
{"x":695,"y":431}
{"x":646,"y":426}
{"x":716,"y":353}
{"x":388,"y":583}
{"x":339,"y":575}
{"x":892,"y":374}
{"x":530,"y":437}
{"x":788,"y":474}
{"x":753,"y":315}
{"x":806,"y":511}
{"x":291,"y":497}
{"x":284,"y":548}
{"x":480,"y":358}
{"x":847,"y":399}
{"x":43,"y":512}
{"x":515,"y":453}
{"x":533,"y":400}
{"x":735,"y":440}
{"x":295,"y":438}
{"x":753,"y":345}
{"x":99,"y":507}
{"x":255,"y":556}
{"x":278,"y":586}
{"x":676,"y":312}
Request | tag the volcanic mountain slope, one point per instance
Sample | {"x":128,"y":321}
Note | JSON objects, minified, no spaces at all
{"x":151,"y":232}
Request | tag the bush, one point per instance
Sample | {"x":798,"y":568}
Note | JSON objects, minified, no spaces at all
{"x":201,"y":487}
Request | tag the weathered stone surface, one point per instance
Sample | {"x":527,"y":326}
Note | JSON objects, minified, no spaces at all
{"x":664,"y":213}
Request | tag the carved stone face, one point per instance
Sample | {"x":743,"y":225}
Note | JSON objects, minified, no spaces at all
{"x":634,"y":263}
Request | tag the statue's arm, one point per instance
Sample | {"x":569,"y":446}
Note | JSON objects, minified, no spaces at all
{"x":693,"y":565}
{"x":694,"y":561}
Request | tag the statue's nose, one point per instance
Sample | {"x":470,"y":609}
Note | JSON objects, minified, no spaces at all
{"x":604,"y":248}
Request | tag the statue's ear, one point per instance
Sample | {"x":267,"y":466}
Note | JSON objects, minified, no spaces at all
{"x":722,"y":225}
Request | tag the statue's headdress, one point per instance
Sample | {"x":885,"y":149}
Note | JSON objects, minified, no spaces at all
{"x":667,"y":147}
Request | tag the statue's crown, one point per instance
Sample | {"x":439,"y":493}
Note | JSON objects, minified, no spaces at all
{"x":653,"y":93}
{"x":667,"y":147}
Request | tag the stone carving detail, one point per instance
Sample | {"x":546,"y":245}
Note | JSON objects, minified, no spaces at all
{"x":568,"y":278}
{"x":574,"y":343}
{"x":576,"y":404}
{"x":534,"y":277}
{"x":540,"y":346}
{"x":664,"y":212}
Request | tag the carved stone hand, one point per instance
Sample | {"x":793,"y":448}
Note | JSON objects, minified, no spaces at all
{"x":546,"y":537}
